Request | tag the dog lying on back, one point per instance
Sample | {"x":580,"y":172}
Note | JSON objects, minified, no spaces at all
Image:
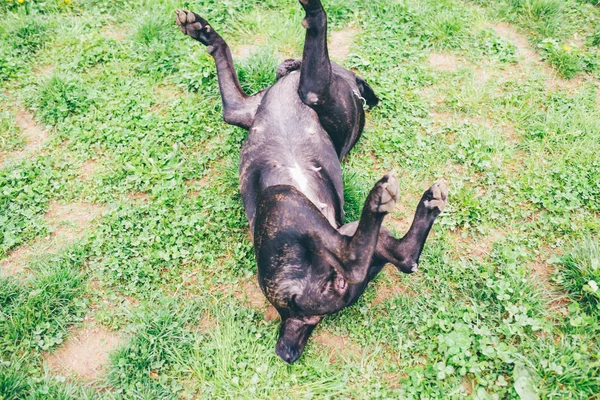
{"x":310,"y":264}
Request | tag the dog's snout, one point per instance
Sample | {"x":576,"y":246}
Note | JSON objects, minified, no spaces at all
{"x":286,"y":353}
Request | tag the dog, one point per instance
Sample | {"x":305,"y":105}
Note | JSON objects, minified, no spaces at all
{"x":310,"y":264}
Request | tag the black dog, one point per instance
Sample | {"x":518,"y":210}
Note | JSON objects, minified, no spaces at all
{"x":309,"y":263}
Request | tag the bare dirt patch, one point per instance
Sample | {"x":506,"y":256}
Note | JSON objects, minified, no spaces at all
{"x":531,"y":57}
{"x":46,"y":70}
{"x":114,"y":32}
{"x":509,"y":33}
{"x":467,"y":386}
{"x":444,"y":62}
{"x":35,"y":136}
{"x":138,"y":197}
{"x":242,"y":51}
{"x":444,"y":119}
{"x":207,"y":323}
{"x":196,"y":185}
{"x":476,"y":248}
{"x":271,"y":314}
{"x":402,"y":216}
{"x":340,"y":43}
{"x":252,"y":295}
{"x":67,"y":223}
{"x":392,"y":288}
{"x":86,"y":353}
{"x":541,"y":271}
{"x":15,"y":262}
{"x":88,"y":169}
{"x":164,"y":95}
{"x":339,"y":347}
{"x":168,"y":92}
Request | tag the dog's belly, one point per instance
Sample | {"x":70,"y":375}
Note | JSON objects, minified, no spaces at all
{"x":288,"y":146}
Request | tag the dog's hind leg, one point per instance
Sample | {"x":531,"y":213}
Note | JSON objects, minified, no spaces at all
{"x":404,"y":253}
{"x":331,"y":91}
{"x":315,"y":72}
{"x":238,"y":108}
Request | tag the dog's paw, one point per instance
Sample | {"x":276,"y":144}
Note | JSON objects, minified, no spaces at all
{"x":195,"y":27}
{"x":384,"y":195}
{"x":436,"y":197}
{"x":311,"y":4}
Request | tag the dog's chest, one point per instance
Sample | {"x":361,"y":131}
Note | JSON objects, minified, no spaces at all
{"x":288,"y":146}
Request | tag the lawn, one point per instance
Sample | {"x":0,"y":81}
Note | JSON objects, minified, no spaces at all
{"x":126,"y":265}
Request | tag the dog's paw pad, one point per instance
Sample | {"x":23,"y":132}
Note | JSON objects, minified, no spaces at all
{"x":195,"y":26}
{"x":384,"y":195}
{"x":436,"y":196}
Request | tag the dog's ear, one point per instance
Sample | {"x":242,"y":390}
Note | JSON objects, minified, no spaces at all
{"x":366,"y":92}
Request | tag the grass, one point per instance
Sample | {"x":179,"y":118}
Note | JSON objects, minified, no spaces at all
{"x":505,"y":304}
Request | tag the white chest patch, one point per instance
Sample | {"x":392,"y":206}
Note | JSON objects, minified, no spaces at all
{"x":299,"y":176}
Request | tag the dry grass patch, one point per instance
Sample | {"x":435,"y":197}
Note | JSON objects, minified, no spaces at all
{"x":86,"y":353}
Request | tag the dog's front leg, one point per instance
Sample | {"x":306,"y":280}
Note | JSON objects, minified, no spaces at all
{"x":238,"y":108}
{"x":353,"y":259}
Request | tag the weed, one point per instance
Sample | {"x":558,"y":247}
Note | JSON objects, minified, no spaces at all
{"x":579,"y":272}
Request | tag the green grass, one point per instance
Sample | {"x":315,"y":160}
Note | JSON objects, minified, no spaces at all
{"x":505,"y":304}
